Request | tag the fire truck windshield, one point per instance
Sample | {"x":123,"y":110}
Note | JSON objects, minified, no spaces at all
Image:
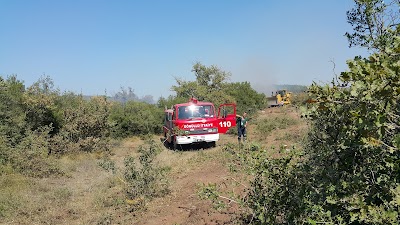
{"x":195,"y":111}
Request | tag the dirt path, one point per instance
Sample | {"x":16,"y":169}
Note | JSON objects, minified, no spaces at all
{"x":183,"y":206}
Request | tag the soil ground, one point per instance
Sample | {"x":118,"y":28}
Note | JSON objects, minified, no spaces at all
{"x":91,"y":195}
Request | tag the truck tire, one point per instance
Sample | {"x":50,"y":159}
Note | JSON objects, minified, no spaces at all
{"x":174,"y":145}
{"x":213,"y":144}
{"x":165,"y":141}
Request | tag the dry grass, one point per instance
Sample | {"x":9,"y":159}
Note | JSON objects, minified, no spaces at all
{"x":285,"y":129}
{"x":65,"y":200}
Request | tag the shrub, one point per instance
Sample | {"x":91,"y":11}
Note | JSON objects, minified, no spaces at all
{"x":267,"y":125}
{"x":142,"y":177}
{"x":300,"y":99}
{"x":37,"y":122}
{"x":135,"y":118}
{"x":12,"y":112}
{"x":5,"y":154}
{"x":145,"y":179}
{"x":39,"y":104}
{"x":30,"y":156}
{"x":84,"y":127}
{"x":349,"y":173}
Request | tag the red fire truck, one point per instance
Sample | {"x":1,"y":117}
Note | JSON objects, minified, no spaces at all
{"x":197,"y":122}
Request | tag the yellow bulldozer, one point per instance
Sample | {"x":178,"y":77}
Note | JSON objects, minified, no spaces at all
{"x":279,"y":98}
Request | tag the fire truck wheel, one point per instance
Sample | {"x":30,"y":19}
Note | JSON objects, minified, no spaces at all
{"x":213,"y":144}
{"x":174,"y":145}
{"x":165,"y":141}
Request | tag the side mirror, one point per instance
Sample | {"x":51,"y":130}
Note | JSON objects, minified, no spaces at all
{"x":224,"y":113}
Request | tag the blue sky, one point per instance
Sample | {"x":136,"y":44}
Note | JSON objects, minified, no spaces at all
{"x":93,"y":46}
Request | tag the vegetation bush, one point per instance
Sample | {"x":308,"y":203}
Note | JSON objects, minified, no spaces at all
{"x":348,"y":170}
{"x":247,"y":99}
{"x":266,"y":125}
{"x":40,"y":104}
{"x":37,"y":121}
{"x":12,"y":113}
{"x":135,"y":118}
{"x":30,"y":157}
{"x":300,"y":99}
{"x":85,"y":125}
{"x":142,"y":177}
{"x":145,"y":179}
{"x":24,"y":138}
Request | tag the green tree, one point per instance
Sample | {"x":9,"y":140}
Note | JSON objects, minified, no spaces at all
{"x":208,"y":86}
{"x":357,"y":165}
{"x":349,"y":171}
{"x":247,"y":99}
{"x":375,"y":24}
{"x":212,"y":77}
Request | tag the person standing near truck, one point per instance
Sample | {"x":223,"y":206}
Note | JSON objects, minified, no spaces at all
{"x":241,"y":122}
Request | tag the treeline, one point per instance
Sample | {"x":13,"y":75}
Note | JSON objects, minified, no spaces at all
{"x":38,"y":122}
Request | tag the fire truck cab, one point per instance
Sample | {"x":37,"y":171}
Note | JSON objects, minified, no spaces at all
{"x":197,"y":122}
